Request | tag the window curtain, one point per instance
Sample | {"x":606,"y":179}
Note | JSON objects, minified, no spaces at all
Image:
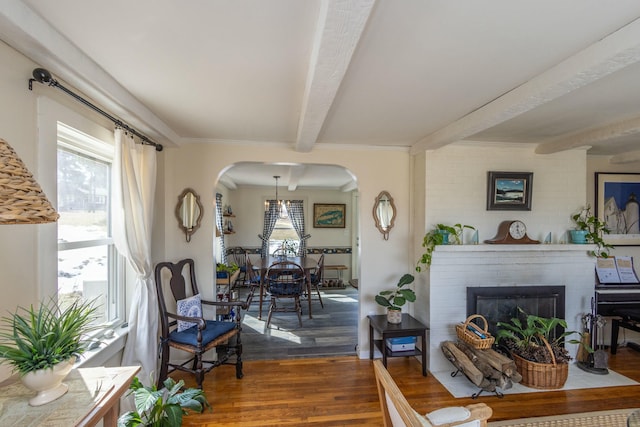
{"x":220,"y":225}
{"x":134,"y":185}
{"x":270,"y":218}
{"x":296,"y":215}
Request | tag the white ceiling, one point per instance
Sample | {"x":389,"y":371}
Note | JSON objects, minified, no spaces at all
{"x":415,"y":74}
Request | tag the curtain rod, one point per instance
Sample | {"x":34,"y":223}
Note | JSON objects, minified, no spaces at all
{"x":41,"y":75}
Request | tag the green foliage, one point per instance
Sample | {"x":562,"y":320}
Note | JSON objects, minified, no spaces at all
{"x":32,"y":339}
{"x":524,"y":335}
{"x":224,"y":268}
{"x":595,"y":229}
{"x":396,"y":298}
{"x":164,"y":407}
{"x":437,"y":237}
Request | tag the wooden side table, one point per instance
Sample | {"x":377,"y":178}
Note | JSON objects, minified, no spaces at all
{"x":409,"y":327}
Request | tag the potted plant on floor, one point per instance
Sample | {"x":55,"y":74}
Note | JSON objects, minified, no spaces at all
{"x":394,"y":299}
{"x":440,"y":235}
{"x":164,"y":407}
{"x":540,"y":357}
{"x":42,"y":345}
{"x":590,"y":229}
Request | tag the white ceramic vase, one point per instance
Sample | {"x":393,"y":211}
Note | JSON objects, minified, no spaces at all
{"x":394,"y":316}
{"x":48,"y":382}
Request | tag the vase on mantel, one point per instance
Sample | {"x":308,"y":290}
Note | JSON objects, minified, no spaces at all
{"x":394,"y":316}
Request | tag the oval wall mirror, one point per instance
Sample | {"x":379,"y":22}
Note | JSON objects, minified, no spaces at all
{"x":384,"y":213}
{"x":189,"y":212}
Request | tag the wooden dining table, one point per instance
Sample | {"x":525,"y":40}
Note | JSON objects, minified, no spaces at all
{"x":308,"y":264}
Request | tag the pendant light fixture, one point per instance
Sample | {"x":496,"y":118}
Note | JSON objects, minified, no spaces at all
{"x":282,"y":209}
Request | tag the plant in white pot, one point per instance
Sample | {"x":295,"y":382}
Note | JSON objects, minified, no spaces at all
{"x":42,"y":345}
{"x":395,"y":298}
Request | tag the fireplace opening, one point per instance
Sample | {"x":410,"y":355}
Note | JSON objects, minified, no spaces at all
{"x":500,"y":303}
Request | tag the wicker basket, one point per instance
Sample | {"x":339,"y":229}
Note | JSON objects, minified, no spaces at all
{"x":472,"y":338}
{"x":542,"y":375}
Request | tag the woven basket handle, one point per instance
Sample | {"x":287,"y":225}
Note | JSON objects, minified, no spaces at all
{"x":546,"y":343}
{"x":469,"y":322}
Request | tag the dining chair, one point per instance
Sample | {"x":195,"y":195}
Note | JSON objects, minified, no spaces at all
{"x":285,"y":280}
{"x":240,"y":259}
{"x":185,"y":327}
{"x":317,"y":276}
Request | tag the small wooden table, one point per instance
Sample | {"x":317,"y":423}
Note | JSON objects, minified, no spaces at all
{"x":94,"y":395}
{"x":409,"y":327}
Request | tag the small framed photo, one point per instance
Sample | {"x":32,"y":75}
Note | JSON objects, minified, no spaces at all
{"x":509,"y":191}
{"x":618,"y":206}
{"x":328,"y":215}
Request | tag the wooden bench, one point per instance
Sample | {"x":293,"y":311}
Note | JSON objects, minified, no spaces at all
{"x":338,"y":268}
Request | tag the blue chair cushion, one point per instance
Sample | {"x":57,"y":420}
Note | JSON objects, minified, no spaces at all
{"x":283,"y":288}
{"x":213,"y":330}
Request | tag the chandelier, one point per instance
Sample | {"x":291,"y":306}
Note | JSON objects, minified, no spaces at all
{"x":281,"y":204}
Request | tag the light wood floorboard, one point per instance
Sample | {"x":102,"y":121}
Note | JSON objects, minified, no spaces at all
{"x":340,"y":391}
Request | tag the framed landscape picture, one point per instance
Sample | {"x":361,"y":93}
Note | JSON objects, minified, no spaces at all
{"x":328,"y":215}
{"x":509,"y":191}
{"x":618,"y":206}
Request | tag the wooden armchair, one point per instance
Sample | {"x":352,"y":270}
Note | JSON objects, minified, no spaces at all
{"x":184,"y":327}
{"x":396,"y":411}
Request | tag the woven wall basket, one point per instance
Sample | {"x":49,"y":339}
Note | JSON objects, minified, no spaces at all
{"x":542,"y":375}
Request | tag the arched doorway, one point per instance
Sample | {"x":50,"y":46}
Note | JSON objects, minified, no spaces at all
{"x":243,"y":189}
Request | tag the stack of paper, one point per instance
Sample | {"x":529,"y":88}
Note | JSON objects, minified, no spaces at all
{"x":617,"y":269}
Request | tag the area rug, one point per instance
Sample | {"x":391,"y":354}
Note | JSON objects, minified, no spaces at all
{"x":615,"y":418}
{"x":460,"y":386}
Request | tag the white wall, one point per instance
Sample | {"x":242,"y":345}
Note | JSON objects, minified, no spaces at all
{"x":199,"y":166}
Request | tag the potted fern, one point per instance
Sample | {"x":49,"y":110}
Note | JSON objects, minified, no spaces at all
{"x":395,"y":298}
{"x":42,"y":344}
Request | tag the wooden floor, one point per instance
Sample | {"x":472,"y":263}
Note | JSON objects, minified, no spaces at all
{"x":340,"y":391}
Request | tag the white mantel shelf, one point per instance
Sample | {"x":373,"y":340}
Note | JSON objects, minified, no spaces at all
{"x":515,"y":248}
{"x":456,"y":267}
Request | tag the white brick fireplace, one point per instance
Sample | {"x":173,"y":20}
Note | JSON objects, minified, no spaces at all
{"x":456,"y":267}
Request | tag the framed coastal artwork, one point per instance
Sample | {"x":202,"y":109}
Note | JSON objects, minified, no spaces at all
{"x":509,"y":191}
{"x":326,"y":215}
{"x":618,"y":206}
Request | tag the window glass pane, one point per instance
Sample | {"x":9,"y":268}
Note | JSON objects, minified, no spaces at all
{"x":83,"y":197}
{"x":84,"y":274}
{"x":282,"y":232}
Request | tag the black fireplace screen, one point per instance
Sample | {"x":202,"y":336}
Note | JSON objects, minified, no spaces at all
{"x":500,"y":303}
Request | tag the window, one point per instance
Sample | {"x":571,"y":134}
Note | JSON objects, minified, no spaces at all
{"x":89,"y":267}
{"x":284,"y":235}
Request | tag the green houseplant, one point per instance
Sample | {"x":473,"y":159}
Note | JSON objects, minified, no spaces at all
{"x":42,"y":345}
{"x":224,"y":270}
{"x":540,"y":357}
{"x":164,"y":407}
{"x":593,"y":229}
{"x":394,"y":299}
{"x":33,"y":339}
{"x":440,"y":235}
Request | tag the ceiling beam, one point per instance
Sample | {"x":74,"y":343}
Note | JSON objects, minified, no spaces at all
{"x":294,"y":173}
{"x":618,"y":50}
{"x":340,"y":26}
{"x":630,"y":157}
{"x":590,"y":137}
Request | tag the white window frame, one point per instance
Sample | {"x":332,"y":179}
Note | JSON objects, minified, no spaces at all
{"x":73,"y":140}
